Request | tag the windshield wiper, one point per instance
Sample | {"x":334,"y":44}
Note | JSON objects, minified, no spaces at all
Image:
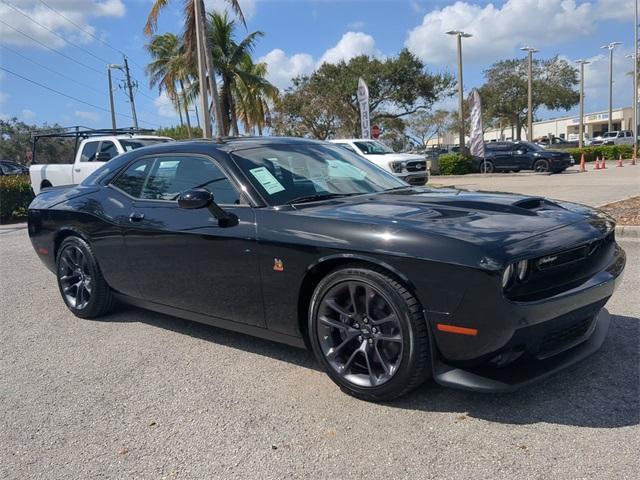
{"x":318,"y":196}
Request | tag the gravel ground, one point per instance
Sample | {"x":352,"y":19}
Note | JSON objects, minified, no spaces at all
{"x":143,"y":395}
{"x":626,"y":212}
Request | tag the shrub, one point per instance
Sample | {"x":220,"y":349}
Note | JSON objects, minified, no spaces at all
{"x":15,"y":196}
{"x":608,"y":152}
{"x":455,"y":164}
{"x":179,"y":132}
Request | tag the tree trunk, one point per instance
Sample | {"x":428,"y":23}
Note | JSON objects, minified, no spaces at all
{"x":213,"y":85}
{"x":518,"y":128}
{"x":224,"y":106}
{"x":195,"y":104}
{"x":232,"y":110}
{"x":186,"y":109}
{"x":179,"y":109}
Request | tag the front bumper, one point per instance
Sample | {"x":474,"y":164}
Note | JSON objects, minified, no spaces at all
{"x":414,"y":178}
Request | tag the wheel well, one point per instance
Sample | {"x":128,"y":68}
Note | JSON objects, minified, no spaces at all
{"x":59,"y":238}
{"x":318,"y":272}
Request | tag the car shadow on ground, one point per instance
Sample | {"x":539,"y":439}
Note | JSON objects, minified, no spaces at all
{"x":601,"y":392}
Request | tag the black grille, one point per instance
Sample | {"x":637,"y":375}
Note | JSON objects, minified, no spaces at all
{"x":560,"y":339}
{"x":417,"y":166}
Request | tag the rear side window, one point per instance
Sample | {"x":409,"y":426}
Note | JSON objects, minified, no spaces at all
{"x":165,"y":178}
{"x":89,"y":151}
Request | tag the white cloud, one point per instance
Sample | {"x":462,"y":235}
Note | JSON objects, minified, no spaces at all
{"x":90,"y":116}
{"x":27,"y":114}
{"x":498,"y":31}
{"x":165,"y":106}
{"x":79,"y":12}
{"x":282,"y":68}
{"x":248,"y":7}
{"x":615,"y":10}
{"x":350,"y":45}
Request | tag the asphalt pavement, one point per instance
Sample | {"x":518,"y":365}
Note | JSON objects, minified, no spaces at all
{"x":143,"y":395}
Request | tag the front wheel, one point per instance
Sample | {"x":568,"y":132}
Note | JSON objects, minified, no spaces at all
{"x":368,"y":332}
{"x":82,"y":286}
{"x":486,"y":167}
{"x":541,"y":165}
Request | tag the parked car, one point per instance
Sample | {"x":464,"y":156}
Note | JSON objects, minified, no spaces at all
{"x":516,"y":156}
{"x":305,"y":243}
{"x":409,"y":167}
{"x":618,"y":137}
{"x":556,"y":142}
{"x":12,"y":168}
{"x":91,"y":155}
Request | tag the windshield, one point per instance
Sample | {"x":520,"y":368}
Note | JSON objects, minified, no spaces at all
{"x":610,"y":135}
{"x":133,"y":143}
{"x":290,"y":173}
{"x":373,"y":148}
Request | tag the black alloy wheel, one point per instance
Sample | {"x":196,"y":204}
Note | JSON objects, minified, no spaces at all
{"x":487,"y":167}
{"x":369,"y":333}
{"x":541,"y":165}
{"x":81,"y":284}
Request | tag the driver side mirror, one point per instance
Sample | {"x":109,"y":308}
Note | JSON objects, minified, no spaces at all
{"x":519,"y":152}
{"x":103,"y":157}
{"x":201,"y":198}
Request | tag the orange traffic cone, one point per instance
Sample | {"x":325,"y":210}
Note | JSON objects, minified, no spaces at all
{"x":620,"y":161}
{"x":597,"y":163}
{"x":583,"y":167}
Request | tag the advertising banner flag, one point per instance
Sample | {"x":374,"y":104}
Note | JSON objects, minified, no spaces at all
{"x":476,"y":133}
{"x":363,"y":101}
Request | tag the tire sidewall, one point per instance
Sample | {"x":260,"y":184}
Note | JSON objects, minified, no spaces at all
{"x":378,"y":282}
{"x":542,"y":161}
{"x":80,"y":243}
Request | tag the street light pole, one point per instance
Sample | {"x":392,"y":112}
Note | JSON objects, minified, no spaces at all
{"x":530,"y":51}
{"x":460,"y":34}
{"x":610,"y":46}
{"x":110,"y":67}
{"x":582,"y":63}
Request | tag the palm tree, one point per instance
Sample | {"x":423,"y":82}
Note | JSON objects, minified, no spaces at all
{"x":254,"y":97}
{"x":190,"y":41}
{"x":170,"y":66}
{"x":233,"y":62}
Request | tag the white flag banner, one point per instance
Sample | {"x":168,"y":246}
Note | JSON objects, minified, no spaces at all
{"x":363,"y":101}
{"x":476,"y":133}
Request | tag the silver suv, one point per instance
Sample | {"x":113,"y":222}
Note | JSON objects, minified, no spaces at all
{"x":618,"y":137}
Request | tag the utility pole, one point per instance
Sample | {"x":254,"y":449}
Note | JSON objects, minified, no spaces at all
{"x":610,"y":47}
{"x":635,"y":83}
{"x":582,"y":63}
{"x":460,"y":34}
{"x":530,"y":51}
{"x":111,"y":107}
{"x":130,"y":90}
{"x":202,"y":77}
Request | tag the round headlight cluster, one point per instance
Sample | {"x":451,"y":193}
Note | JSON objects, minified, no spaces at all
{"x":515,"y":271}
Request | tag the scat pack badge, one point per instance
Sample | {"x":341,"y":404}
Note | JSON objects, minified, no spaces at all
{"x":278,"y":266}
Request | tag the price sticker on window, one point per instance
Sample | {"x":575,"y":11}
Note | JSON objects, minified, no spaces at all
{"x":267,"y":180}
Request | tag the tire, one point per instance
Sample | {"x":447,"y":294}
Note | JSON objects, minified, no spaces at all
{"x":368,"y":364}
{"x":541,"y":165}
{"x":490,"y":168}
{"x":82,"y":286}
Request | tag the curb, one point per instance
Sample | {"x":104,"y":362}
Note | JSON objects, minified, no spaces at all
{"x":628,"y":232}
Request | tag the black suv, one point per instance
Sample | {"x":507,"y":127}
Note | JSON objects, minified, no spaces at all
{"x":516,"y":156}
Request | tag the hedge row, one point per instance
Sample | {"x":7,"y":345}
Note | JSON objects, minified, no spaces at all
{"x":15,"y":196}
{"x":608,"y":152}
{"x":455,"y":164}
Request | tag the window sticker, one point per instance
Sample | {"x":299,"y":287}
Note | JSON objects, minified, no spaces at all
{"x":267,"y":180}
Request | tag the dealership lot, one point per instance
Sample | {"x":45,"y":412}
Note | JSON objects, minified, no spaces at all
{"x":595,"y":187}
{"x":139,"y":394}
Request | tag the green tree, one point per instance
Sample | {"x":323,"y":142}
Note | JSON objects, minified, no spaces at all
{"x":255,"y":96}
{"x":15,"y":143}
{"x":170,"y":66}
{"x":424,"y":125}
{"x":504,"y":95}
{"x":325,"y":103}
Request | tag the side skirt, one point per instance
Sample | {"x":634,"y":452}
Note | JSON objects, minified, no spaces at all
{"x":213,"y":321}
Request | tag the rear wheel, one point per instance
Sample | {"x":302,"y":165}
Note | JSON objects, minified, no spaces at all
{"x":541,"y":165}
{"x":368,"y":332}
{"x":487,"y":167}
{"x":82,"y":286}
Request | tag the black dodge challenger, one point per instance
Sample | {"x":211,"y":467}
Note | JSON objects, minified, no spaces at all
{"x":305,"y":243}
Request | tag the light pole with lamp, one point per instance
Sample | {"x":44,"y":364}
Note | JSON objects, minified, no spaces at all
{"x":582,"y":63}
{"x":611,"y":46}
{"x":460,"y":34}
{"x":530,"y":51}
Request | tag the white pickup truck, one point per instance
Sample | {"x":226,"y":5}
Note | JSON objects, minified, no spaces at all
{"x":92,"y":153}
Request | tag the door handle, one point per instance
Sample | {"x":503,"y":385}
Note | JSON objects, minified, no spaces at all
{"x":136,"y":217}
{"x":76,"y":169}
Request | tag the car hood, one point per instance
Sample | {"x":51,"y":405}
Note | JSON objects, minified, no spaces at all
{"x":394,"y":157}
{"x":486,"y":219}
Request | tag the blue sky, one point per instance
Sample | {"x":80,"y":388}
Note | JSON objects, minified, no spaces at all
{"x":300,"y":34}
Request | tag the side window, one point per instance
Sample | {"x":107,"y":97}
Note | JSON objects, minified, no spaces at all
{"x":89,"y":151}
{"x":164,"y":178}
{"x":109,"y":147}
{"x":133,"y":178}
{"x":348,"y":147}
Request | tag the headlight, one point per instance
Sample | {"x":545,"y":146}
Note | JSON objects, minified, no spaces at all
{"x":522,"y":268}
{"x":507,"y":276}
{"x":397,"y":166}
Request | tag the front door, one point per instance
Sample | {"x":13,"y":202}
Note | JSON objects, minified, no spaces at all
{"x":184,"y":258}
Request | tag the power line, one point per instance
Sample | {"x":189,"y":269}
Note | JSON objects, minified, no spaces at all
{"x":89,"y":52}
{"x":52,"y":49}
{"x":68,"y":96}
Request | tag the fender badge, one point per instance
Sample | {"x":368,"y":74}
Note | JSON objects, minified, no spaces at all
{"x":278,"y":266}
